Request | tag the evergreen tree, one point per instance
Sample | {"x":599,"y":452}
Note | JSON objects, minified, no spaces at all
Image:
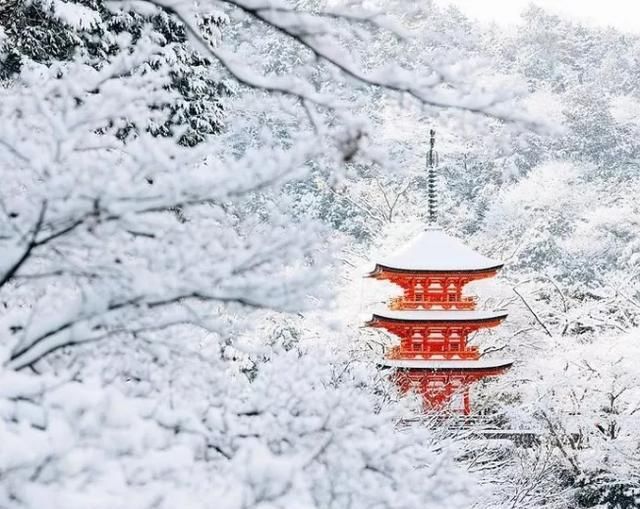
{"x":46,"y":32}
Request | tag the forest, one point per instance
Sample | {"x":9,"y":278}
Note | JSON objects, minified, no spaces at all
{"x":192,"y":194}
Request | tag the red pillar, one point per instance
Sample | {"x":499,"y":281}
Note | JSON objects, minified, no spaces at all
{"x":467,"y":400}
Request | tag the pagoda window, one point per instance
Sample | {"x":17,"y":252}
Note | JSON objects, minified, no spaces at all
{"x":417,"y":342}
{"x":454,"y":341}
{"x":419,"y":292}
{"x":436,"y":341}
{"x":436,"y":335}
{"x":435,"y":287}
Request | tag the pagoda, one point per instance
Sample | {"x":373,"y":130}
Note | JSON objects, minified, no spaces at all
{"x":433,"y":318}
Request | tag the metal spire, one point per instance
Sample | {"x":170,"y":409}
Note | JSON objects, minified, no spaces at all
{"x":432,"y":161}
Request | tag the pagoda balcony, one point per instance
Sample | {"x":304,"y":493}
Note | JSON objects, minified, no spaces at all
{"x":470,"y":353}
{"x":434,"y":302}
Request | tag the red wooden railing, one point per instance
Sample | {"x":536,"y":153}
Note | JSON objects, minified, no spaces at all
{"x":434,"y":302}
{"x":470,"y":353}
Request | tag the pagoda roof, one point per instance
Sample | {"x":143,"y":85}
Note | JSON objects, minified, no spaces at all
{"x":438,"y":315}
{"x":431,"y":364}
{"x":435,"y":251}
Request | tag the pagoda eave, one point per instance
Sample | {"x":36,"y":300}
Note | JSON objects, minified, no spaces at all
{"x":479,"y":271}
{"x":441,"y":317}
{"x":486,"y":367}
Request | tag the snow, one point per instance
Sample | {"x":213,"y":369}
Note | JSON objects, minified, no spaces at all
{"x":209,"y":403}
{"x":447,"y":364}
{"x":15,"y":385}
{"x":75,"y":15}
{"x":545,"y":103}
{"x":625,"y":109}
{"x":425,"y":315}
{"x":434,"y":250}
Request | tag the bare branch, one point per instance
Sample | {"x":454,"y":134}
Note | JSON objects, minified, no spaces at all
{"x":292,"y":30}
{"x":535,"y":315}
{"x":22,"y":357}
{"x":10,"y":272}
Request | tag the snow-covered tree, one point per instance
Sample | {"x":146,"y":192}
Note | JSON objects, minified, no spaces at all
{"x":132,"y":263}
{"x":47,"y":32}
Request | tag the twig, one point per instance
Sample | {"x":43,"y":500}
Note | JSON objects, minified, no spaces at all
{"x":532,"y":312}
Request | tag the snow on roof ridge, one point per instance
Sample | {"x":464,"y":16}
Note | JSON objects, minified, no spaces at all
{"x":439,"y":315}
{"x":447,"y":364}
{"x":434,"y":249}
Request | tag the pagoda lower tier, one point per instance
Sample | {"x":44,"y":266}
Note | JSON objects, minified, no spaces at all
{"x":434,"y":358}
{"x":443,"y":385}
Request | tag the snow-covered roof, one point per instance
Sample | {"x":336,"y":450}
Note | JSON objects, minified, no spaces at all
{"x":438,"y":316}
{"x":447,"y":364}
{"x":434,"y":250}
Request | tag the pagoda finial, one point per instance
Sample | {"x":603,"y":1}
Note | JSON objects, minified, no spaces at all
{"x":432,"y":161}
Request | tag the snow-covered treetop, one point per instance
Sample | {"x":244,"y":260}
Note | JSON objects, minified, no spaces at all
{"x":435,"y":251}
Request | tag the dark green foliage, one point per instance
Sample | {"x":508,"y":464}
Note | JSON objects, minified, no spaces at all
{"x":33,"y":32}
{"x":601,"y":492}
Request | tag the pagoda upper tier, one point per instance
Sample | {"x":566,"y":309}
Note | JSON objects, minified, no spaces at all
{"x":432,"y":269}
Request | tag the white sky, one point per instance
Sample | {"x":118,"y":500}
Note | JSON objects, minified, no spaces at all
{"x":622,"y":14}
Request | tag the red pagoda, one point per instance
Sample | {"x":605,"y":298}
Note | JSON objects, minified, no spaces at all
{"x":433,"y":319}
